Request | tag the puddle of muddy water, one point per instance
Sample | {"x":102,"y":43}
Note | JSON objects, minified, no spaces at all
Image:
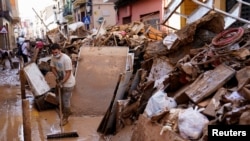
{"x":42,"y":122}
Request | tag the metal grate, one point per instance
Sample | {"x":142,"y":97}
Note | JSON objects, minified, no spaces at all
{"x":245,"y":11}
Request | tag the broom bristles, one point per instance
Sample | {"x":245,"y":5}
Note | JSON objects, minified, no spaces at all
{"x":62,"y":135}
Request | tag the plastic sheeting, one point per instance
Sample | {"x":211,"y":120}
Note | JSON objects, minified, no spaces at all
{"x":75,"y":26}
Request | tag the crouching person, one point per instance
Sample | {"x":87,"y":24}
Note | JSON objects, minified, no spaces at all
{"x":6,"y":55}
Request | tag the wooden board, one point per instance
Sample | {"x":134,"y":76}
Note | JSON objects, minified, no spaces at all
{"x":109,"y":120}
{"x":209,"y":82}
{"x":96,"y":76}
{"x":214,"y":104}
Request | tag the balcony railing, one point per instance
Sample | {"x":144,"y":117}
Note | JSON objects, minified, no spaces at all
{"x":67,"y":10}
{"x":6,"y":14}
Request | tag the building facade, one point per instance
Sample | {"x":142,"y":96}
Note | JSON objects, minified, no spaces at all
{"x":9,"y":23}
{"x":112,"y":12}
{"x":93,"y":12}
{"x":153,"y":12}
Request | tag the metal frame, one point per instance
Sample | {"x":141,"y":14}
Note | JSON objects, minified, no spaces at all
{"x":200,"y":11}
{"x":229,"y":17}
{"x":172,"y":6}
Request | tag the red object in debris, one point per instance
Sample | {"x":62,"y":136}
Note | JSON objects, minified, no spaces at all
{"x":227,"y":37}
{"x":183,"y":79}
{"x":39,"y":44}
{"x":123,"y":33}
{"x":216,"y":63}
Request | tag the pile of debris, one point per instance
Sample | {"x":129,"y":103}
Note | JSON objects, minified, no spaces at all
{"x":193,"y":77}
{"x":182,"y":81}
{"x":134,"y":35}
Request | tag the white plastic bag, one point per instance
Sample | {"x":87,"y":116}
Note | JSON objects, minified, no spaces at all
{"x":191,"y":123}
{"x":159,"y":102}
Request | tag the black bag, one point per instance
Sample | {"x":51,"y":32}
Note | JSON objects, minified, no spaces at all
{"x":19,"y":49}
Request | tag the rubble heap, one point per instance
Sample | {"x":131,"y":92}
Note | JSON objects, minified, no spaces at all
{"x":200,"y":72}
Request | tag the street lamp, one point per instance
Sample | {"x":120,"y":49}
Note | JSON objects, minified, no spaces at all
{"x":88,"y":7}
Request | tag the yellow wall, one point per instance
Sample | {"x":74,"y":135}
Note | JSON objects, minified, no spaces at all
{"x":220,"y":4}
{"x":188,"y":6}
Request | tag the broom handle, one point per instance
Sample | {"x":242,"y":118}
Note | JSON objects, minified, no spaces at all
{"x":60,"y":107}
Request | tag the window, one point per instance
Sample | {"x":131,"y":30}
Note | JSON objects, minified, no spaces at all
{"x":126,"y":20}
{"x":152,"y":19}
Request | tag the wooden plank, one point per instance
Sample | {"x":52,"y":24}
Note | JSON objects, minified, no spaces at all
{"x":214,"y":103}
{"x":111,"y":124}
{"x":103,"y":125}
{"x":26,"y":120}
{"x":96,"y":76}
{"x":209,"y":82}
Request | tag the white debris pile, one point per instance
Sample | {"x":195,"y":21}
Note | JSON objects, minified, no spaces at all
{"x":9,"y":77}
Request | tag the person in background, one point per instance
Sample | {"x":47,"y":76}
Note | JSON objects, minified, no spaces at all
{"x":25,"y":51}
{"x":20,"y":39}
{"x":39,"y":43}
{"x":6,"y":55}
{"x":61,"y":65}
{"x":38,"y":48}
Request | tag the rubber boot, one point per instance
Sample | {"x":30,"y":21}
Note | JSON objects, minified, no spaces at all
{"x":66,"y":113}
{"x":64,"y":121}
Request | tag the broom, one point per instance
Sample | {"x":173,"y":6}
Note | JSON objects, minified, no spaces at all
{"x":62,"y":134}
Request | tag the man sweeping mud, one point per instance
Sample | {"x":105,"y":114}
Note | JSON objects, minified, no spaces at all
{"x":61,"y":65}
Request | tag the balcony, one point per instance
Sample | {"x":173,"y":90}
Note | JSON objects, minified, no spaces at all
{"x":120,"y":3}
{"x":67,"y":10}
{"x":6,"y":14}
{"x":78,"y":2}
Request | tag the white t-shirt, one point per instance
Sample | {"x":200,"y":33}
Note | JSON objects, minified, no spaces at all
{"x":25,"y":47}
{"x":62,"y":64}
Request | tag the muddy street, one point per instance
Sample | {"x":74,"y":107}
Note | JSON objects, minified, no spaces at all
{"x":11,"y":114}
{"x":45,"y":122}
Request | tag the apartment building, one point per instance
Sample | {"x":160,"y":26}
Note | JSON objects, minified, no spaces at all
{"x":9,"y":23}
